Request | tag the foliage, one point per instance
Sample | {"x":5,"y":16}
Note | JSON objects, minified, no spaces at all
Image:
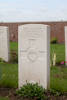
{"x":54,"y":41}
{"x":54,"y":59}
{"x":55,"y":92}
{"x":32,"y":91}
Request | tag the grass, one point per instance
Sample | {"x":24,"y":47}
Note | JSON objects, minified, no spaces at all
{"x":59,"y":79}
{"x":14,"y":46}
{"x":58,"y":74}
{"x":3,"y":98}
{"x":8,"y":75}
{"x":9,"y":72}
{"x":59,"y":49}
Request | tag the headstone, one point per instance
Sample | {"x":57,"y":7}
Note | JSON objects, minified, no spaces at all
{"x":34,"y":54}
{"x":4,"y":43}
{"x":66,"y":44}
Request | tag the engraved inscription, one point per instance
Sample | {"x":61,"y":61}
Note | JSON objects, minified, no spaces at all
{"x":32,"y":55}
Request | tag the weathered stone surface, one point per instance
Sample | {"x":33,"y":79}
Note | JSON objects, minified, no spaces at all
{"x":4,"y":43}
{"x":66,"y":44}
{"x":34,"y":54}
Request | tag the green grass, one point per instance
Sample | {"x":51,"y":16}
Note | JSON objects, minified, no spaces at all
{"x":59,"y":49}
{"x":9,"y":72}
{"x":8,"y":75}
{"x":59,"y":79}
{"x":58,"y":74}
{"x":3,"y":98}
{"x":14,"y":46}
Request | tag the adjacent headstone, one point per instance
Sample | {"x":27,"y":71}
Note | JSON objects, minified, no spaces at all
{"x":34,"y":54}
{"x":4,"y":43}
{"x":66,"y":44}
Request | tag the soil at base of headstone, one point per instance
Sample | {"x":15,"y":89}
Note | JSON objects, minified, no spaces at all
{"x":11,"y":94}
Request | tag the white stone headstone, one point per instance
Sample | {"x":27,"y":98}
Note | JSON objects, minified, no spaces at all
{"x":4,"y":43}
{"x":66,"y":44}
{"x":34,"y":54}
